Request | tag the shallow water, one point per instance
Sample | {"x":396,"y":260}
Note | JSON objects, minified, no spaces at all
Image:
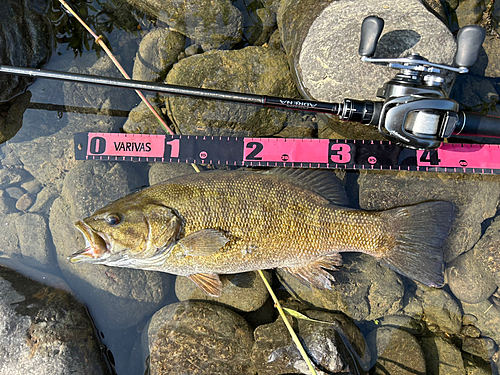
{"x":56,"y":111}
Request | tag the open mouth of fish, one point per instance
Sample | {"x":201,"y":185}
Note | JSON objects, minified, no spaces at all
{"x":96,"y":245}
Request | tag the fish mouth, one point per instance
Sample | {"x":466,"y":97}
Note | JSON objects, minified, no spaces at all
{"x":97,"y":245}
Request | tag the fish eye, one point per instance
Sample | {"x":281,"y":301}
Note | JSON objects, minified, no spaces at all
{"x":113,"y":219}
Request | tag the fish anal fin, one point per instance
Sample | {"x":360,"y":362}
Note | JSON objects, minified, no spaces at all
{"x":208,"y":282}
{"x":203,"y":242}
{"x":315,"y":273}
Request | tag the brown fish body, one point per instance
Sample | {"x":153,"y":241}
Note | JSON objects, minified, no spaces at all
{"x":230,"y":222}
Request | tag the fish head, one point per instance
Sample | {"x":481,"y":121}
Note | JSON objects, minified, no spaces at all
{"x":127,"y":231}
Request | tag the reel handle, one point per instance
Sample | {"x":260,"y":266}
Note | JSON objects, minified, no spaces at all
{"x":371,"y":28}
{"x":469,"y":42}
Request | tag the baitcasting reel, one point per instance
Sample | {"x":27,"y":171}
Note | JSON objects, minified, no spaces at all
{"x":416,"y":111}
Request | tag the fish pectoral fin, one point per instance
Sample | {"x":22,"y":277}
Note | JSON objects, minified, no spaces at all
{"x":203,"y":242}
{"x":208,"y":282}
{"x":314,"y":273}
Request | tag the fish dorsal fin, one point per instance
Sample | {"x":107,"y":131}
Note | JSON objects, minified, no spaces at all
{"x":322,"y":182}
{"x":203,"y":242}
{"x":208,"y":282}
{"x":314,"y":273}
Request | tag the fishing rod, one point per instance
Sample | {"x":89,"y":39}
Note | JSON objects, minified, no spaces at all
{"x":415,"y":113}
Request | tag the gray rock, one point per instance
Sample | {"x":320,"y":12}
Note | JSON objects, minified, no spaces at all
{"x":49,"y":158}
{"x":486,"y":251}
{"x":45,"y":330}
{"x":321,"y":41}
{"x":363,"y":290}
{"x":252,"y":70}
{"x":7,"y":205}
{"x":142,"y":121}
{"x":242,"y":292}
{"x":97,"y":96}
{"x":25,"y":202}
{"x":160,"y":172}
{"x":44,"y":200}
{"x":157,"y":53}
{"x":396,"y":351}
{"x":34,"y":242}
{"x":214,"y":25}
{"x":475,"y":198}
{"x":11,"y":176}
{"x":440,"y":309}
{"x":468,"y":279}
{"x":198,"y":338}
{"x":32,"y":186}
{"x":25,"y":40}
{"x":275,"y":353}
{"x":15,"y":192}
{"x":132,"y":293}
{"x":470,"y":12}
{"x":480,"y":347}
{"x":487,"y":317}
{"x":9,"y":242}
{"x":441,"y":356}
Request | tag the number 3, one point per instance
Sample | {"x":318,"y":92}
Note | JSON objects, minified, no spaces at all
{"x":340,"y":153}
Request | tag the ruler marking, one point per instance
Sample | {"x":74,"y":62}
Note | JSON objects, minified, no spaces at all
{"x":287,"y":152}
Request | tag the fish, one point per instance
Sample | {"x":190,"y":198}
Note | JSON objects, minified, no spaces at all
{"x":226,"y":222}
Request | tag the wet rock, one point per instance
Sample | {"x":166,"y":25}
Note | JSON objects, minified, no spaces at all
{"x":157,"y":53}
{"x":15,"y":192}
{"x":402,"y":322}
{"x":480,"y":347}
{"x":25,"y":40}
{"x":243,"y":292}
{"x":32,"y":186}
{"x":24,"y":202}
{"x":321,"y":41}
{"x":398,"y":352}
{"x":49,"y":158}
{"x":44,"y":200}
{"x":97,"y":96}
{"x":134,"y":293}
{"x":45,"y":330}
{"x":12,"y":122}
{"x":9,"y":242}
{"x":7,"y":205}
{"x":363,"y":290}
{"x":440,"y":309}
{"x":468,"y":279}
{"x":275,"y":353}
{"x":252,"y":70}
{"x":214,"y":24}
{"x":160,"y":172}
{"x":470,"y":12}
{"x":198,"y":338}
{"x":486,"y":317}
{"x":475,"y":198}
{"x":441,"y":356}
{"x":486,"y":251}
{"x":142,"y":121}
{"x":34,"y":242}
{"x":10,"y":176}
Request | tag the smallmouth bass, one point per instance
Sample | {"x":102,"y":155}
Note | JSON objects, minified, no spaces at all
{"x":221,"y":222}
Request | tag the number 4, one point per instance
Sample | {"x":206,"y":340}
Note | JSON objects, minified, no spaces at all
{"x":430,"y":157}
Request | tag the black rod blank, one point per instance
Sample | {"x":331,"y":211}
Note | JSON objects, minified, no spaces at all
{"x":267,"y":101}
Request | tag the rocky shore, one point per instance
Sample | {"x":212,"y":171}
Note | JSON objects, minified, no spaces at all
{"x":372,"y":318}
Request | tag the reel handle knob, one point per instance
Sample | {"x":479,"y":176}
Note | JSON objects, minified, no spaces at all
{"x":371,"y":28}
{"x":469,"y":41}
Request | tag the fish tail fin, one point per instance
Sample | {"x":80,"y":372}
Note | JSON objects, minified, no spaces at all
{"x":418,"y":233}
